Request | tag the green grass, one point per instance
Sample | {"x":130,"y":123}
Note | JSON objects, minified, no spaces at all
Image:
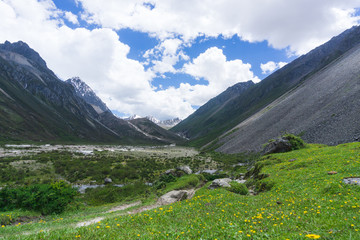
{"x":305,"y":201}
{"x":184,"y":182}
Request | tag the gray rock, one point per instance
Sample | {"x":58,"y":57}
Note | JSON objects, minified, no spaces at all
{"x":185,"y":169}
{"x":175,"y":196}
{"x":209,"y":171}
{"x":352,"y":180}
{"x":240,"y":181}
{"x":170,"y":171}
{"x":278,"y":146}
{"x":107,"y":180}
{"x":221,"y":182}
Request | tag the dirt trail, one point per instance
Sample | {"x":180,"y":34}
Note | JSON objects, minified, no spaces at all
{"x":118,"y":208}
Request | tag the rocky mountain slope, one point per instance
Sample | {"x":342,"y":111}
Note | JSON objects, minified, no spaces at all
{"x":270,"y":89}
{"x":86,"y":93}
{"x":155,"y":131}
{"x":36,"y":105}
{"x":325,"y":108}
{"x":206,"y":119}
{"x":132,"y":127}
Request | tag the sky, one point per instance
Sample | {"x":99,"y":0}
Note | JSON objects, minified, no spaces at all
{"x":165,"y":58}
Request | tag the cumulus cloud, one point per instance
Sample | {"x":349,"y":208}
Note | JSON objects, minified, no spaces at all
{"x":213,"y":66}
{"x":271,"y":66}
{"x":72,"y":18}
{"x":300,"y":25}
{"x":100,"y":59}
{"x":165,"y":55}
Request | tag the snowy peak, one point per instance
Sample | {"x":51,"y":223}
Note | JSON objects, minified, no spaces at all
{"x":85,"y":92}
{"x":167,"y":124}
{"x":132,"y":117}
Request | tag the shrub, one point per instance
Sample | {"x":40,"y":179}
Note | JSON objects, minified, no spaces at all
{"x":111,"y":194}
{"x":45,"y":198}
{"x":296,"y":142}
{"x":238,"y":188}
{"x":264,"y":185}
{"x":211,"y":177}
{"x":186,"y":181}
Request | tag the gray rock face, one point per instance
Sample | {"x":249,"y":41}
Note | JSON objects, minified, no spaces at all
{"x":175,"y":196}
{"x":221,"y":182}
{"x":209,"y":171}
{"x":324,"y":108}
{"x":352,"y":180}
{"x":278,"y":146}
{"x":85,"y":92}
{"x":185,"y":169}
{"x":240,"y":181}
{"x":320,"y":101}
{"x":107,"y":180}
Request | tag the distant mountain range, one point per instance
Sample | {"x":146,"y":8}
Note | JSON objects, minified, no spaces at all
{"x":35,"y":105}
{"x":316,"y":96}
{"x":166,"y":124}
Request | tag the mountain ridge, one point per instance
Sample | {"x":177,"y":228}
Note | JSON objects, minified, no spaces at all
{"x":271,"y":88}
{"x":35,"y":105}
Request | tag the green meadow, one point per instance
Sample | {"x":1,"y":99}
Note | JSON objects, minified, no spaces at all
{"x":299,"y":195}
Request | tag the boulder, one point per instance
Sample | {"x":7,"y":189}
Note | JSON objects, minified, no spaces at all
{"x":221,"y":182}
{"x":240,"y":181}
{"x":175,"y":196}
{"x":107,"y":180}
{"x":277,"y":146}
{"x":186,"y":169}
{"x":170,"y":171}
{"x":352,"y":180}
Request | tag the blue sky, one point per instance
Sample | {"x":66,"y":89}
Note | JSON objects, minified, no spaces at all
{"x":165,"y":58}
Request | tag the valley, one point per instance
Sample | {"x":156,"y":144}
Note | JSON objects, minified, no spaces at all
{"x":276,"y":158}
{"x":300,"y":194}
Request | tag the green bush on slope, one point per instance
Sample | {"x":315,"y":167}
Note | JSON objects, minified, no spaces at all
{"x":44,"y":198}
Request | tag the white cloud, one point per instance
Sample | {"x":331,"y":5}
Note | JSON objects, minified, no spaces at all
{"x":220,"y":74}
{"x":300,"y":25}
{"x":271,"y":66}
{"x":100,"y":59}
{"x":166,"y":54}
{"x":72,"y":18}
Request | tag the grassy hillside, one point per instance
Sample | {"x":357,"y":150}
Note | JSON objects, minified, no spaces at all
{"x":301,"y":201}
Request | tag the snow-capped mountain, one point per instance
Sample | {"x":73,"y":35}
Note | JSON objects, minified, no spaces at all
{"x":132,"y":117}
{"x":85,"y":92}
{"x":169,"y":123}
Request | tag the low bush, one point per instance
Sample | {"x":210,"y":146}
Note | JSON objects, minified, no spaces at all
{"x":238,"y":188}
{"x":296,"y":142}
{"x":211,"y":177}
{"x":264,"y":185}
{"x":186,"y":181}
{"x":44,"y":198}
{"x":111,"y":194}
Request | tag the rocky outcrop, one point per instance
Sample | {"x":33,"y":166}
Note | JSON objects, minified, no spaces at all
{"x":107,"y":180}
{"x":221,"y":182}
{"x":175,"y":196}
{"x":186,"y":169}
{"x":278,"y":146}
